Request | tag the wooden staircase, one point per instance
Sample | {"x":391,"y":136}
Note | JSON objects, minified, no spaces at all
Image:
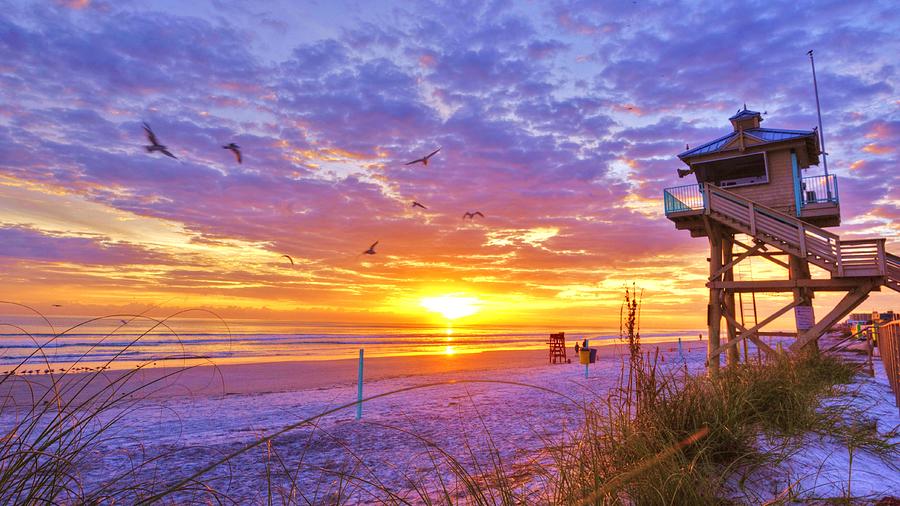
{"x":854,"y":258}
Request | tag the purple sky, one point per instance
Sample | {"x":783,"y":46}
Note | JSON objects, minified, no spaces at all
{"x":560,"y":121}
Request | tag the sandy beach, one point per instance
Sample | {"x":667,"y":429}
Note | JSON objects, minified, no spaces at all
{"x":477,"y":407}
{"x":285,"y":376}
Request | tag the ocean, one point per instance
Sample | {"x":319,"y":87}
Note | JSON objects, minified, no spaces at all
{"x":125,"y":342}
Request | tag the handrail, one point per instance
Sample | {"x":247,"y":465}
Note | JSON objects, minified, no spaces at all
{"x":683,"y":198}
{"x":860,"y":257}
{"x":843,"y":258}
{"x":772,"y":213}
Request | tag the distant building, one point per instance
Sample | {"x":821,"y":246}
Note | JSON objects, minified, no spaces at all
{"x":873,"y":317}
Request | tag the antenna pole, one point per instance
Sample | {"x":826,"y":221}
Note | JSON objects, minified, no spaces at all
{"x":819,"y":112}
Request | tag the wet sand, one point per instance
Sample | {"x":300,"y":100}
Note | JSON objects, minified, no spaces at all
{"x":267,"y":377}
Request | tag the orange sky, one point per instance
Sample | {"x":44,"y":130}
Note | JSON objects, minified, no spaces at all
{"x":554,"y":124}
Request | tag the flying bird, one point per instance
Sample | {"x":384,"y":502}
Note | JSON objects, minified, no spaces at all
{"x":123,"y":322}
{"x":57,"y":305}
{"x":371,"y":250}
{"x":416,"y":204}
{"x":425,"y":158}
{"x":154,"y":143}
{"x":236,"y":150}
{"x":472,"y":215}
{"x":289,"y":258}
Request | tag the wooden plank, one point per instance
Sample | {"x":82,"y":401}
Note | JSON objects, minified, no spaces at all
{"x":801,"y":232}
{"x":824,"y":254}
{"x":775,"y":227}
{"x":752,"y":212}
{"x":733,"y":209}
{"x":820,"y":245}
{"x":787,"y":285}
{"x":771,"y":227}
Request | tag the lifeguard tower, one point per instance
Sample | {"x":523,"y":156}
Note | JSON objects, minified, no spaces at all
{"x":753,"y":181}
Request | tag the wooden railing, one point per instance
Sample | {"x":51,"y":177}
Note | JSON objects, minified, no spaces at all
{"x":850,"y":258}
{"x":892,"y":271}
{"x":889,"y":348}
{"x":843,"y":258}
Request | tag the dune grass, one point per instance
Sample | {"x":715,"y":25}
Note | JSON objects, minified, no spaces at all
{"x":722,"y":418}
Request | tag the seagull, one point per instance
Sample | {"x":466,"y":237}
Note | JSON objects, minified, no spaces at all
{"x":425,"y":158}
{"x":236,"y":150}
{"x":416,"y":204}
{"x":154,"y":143}
{"x":472,"y":215}
{"x":371,"y":250}
{"x":289,"y":258}
{"x":123,"y":322}
{"x":57,"y":305}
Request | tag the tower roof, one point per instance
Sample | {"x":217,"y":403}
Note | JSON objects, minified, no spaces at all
{"x":746,"y":122}
{"x":766,"y":135}
{"x":744,"y":113}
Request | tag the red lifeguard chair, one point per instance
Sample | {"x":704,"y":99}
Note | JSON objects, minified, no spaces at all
{"x":558,"y":348}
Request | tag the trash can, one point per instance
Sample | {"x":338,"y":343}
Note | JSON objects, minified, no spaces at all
{"x":584,"y":356}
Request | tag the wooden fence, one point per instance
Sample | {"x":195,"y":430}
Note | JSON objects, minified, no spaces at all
{"x":889,"y":347}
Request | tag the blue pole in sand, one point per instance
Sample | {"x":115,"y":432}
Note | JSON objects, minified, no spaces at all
{"x":680,"y":353}
{"x":586,"y":365}
{"x":359,"y":386}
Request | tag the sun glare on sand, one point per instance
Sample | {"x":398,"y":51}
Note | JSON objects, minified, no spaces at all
{"x":450,"y":306}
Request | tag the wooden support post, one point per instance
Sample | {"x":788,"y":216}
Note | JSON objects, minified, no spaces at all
{"x":803,"y":313}
{"x":732,"y":356}
{"x":715,"y":297}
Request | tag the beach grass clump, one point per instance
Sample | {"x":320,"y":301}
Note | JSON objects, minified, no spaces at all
{"x":54,"y":438}
{"x":690,"y":434}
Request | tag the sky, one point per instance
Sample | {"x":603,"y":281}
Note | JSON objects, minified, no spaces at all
{"x":558,"y":120}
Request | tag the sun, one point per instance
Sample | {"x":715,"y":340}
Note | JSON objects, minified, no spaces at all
{"x":451,"y":306}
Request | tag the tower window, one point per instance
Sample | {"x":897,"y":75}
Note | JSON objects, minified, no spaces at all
{"x":737,"y":171}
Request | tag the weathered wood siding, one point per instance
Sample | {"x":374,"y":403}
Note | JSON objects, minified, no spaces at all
{"x":778,"y":193}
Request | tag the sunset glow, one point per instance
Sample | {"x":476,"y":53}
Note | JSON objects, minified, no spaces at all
{"x":450,"y":306}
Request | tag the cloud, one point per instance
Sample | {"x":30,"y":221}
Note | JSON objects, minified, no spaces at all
{"x":27,"y":244}
{"x":561,"y":117}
